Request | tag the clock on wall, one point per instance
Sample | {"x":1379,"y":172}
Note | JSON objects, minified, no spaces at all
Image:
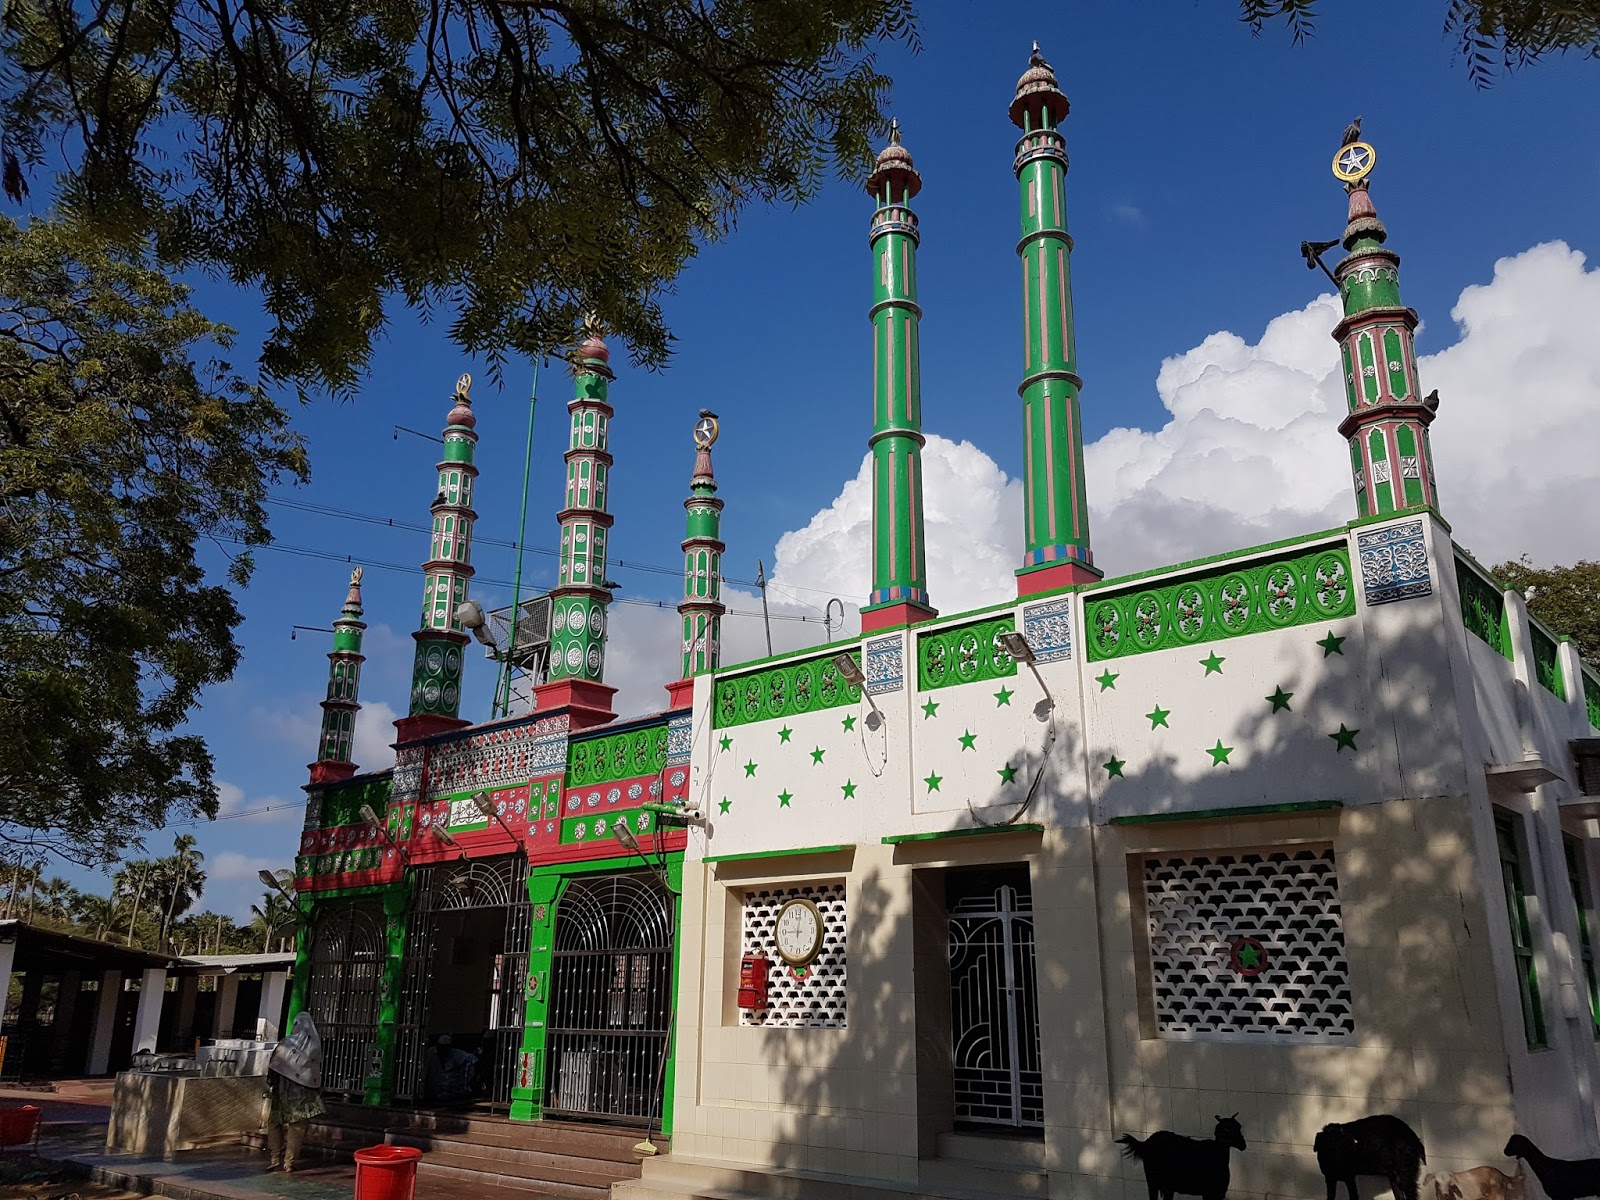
{"x":798,"y":932}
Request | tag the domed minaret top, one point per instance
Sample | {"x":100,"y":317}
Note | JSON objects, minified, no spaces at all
{"x":894,"y":167}
{"x":1036,"y":90}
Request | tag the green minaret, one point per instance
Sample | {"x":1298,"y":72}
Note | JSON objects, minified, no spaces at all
{"x":436,"y":671}
{"x":1387,"y":426}
{"x":1055,"y":501}
{"x":899,"y":559}
{"x":344,"y":687}
{"x":702,"y":606}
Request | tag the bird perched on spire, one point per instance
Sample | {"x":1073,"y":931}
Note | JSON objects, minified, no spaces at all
{"x":1431,"y":401}
{"x":1352,"y":133}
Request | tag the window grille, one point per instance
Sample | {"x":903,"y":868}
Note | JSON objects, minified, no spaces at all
{"x":1247,"y":943}
{"x":1582,"y":897}
{"x":1512,"y":874}
{"x":815,"y":996}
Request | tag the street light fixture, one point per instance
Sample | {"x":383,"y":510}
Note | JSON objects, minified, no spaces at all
{"x":855,"y":677}
{"x":482,"y":802}
{"x":379,"y":828}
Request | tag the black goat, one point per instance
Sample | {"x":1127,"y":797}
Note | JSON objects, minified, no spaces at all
{"x":1186,"y":1166}
{"x":1561,"y":1178}
{"x":1380,"y":1145}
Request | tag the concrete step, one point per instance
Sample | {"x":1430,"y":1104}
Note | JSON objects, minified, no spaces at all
{"x":1025,"y":1153}
{"x":490,"y":1175}
{"x":704,"y":1179}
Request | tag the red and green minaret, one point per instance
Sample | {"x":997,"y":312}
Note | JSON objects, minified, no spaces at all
{"x":344,"y":686}
{"x":436,"y":670}
{"x":1055,"y":500}
{"x":582,"y":592}
{"x":1387,"y":426}
{"x":899,"y":558}
{"x":702,"y":608}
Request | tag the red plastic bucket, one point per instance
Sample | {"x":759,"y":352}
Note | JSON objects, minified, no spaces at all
{"x":18,"y":1125}
{"x":386,"y":1172}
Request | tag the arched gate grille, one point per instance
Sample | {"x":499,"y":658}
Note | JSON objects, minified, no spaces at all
{"x":994,"y":1004}
{"x":610,"y":997}
{"x":498,"y":883}
{"x":347,"y":954}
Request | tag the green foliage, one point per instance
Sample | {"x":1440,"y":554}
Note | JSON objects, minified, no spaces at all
{"x":515,"y":161}
{"x":124,"y":442}
{"x":1566,"y":599}
{"x":1490,"y":35}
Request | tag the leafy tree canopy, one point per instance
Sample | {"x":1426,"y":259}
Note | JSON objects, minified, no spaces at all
{"x":1490,"y":35}
{"x":516,"y":162}
{"x":124,"y":441}
{"x":1566,"y":599}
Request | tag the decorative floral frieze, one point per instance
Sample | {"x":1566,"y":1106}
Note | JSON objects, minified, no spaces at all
{"x":964,"y":654}
{"x":784,"y":690}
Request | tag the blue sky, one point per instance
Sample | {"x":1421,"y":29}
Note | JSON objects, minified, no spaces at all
{"x":1199,"y":162}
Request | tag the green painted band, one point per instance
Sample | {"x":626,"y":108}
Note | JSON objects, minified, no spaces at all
{"x":1244,"y":810}
{"x":1043,"y":235}
{"x":1043,"y":376}
{"x":911,"y":306}
{"x":755,"y":855}
{"x":900,"y":431}
{"x":901,"y":839}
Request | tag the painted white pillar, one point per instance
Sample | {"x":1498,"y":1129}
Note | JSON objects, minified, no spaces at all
{"x":188,"y":996}
{"x":227,"y":1002}
{"x":147,"y":1022}
{"x":105,"y":1023}
{"x":274,"y":984}
{"x":8,"y":955}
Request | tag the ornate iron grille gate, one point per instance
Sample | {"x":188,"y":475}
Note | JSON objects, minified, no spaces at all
{"x":994,"y":1007}
{"x":500,"y":883}
{"x":347,"y":955}
{"x":610,"y":997}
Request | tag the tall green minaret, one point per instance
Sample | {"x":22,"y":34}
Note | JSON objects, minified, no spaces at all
{"x":702,"y":608}
{"x":583,"y":591}
{"x":899,"y":558}
{"x":436,"y":670}
{"x":1055,"y":500}
{"x":1387,"y":426}
{"x":344,"y":686}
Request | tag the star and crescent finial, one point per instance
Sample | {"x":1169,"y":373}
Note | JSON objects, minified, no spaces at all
{"x":1354,"y":159}
{"x":464,"y":386}
{"x":355,"y":577}
{"x":706,"y":430}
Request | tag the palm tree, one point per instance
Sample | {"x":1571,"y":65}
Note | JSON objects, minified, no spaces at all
{"x":57,"y":898}
{"x":274,"y":912}
{"x":134,"y":877}
{"x":187,"y":882}
{"x":97,"y":913}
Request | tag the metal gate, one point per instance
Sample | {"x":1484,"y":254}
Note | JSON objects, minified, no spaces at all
{"x":500,"y":883}
{"x":610,"y":997}
{"x":347,"y":955}
{"x":994,"y":1007}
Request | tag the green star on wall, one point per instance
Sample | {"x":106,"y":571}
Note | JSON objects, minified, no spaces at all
{"x":967,"y":739}
{"x":1108,"y":679}
{"x":1345,"y":737}
{"x":1003,"y":696}
{"x":727,"y":742}
{"x":930,"y":709}
{"x":724,"y":804}
{"x":933,"y":781}
{"x":1332,"y":645}
{"x":1213,"y":663}
{"x":816,"y":756}
{"x":784,"y":797}
{"x":1113,"y":766}
{"x":1249,"y":957}
{"x":1219,"y":753}
{"x":1007,"y":773}
{"x":783,"y":734}
{"x":1279,"y":699}
{"x":849,"y":722}
{"x":1158,"y":716}
{"x":849,"y":790}
{"x":750,"y":769}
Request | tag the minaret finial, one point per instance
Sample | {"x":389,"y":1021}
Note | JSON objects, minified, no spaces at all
{"x":1055,"y":497}
{"x":702,"y":608}
{"x":894,"y":131}
{"x":1387,"y":426}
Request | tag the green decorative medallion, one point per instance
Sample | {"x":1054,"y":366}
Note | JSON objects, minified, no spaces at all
{"x":782,"y":691}
{"x":964,"y":654}
{"x":621,"y":755}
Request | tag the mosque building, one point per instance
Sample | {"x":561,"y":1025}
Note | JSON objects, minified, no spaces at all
{"x":1298,"y":833}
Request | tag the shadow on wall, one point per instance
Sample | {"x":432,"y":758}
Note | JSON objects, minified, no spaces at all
{"x":1424,"y":930}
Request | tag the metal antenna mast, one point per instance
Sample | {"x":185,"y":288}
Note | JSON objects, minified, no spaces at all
{"x":502,"y":686}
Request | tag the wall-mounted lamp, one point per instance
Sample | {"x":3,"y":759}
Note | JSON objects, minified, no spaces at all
{"x":268,"y":879}
{"x":379,"y":828}
{"x":1016,"y":644}
{"x":442,"y":835}
{"x":482,"y":802}
{"x":469,"y":615}
{"x":855,"y":677}
{"x":625,"y":835}
{"x":307,"y":629}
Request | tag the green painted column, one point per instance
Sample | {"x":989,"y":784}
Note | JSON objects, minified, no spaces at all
{"x":702,"y":608}
{"x":380,"y":1080}
{"x":1056,"y":549}
{"x":436,"y":672}
{"x":344,"y":687}
{"x":581,"y":594}
{"x":300,"y":980}
{"x":1391,"y":461}
{"x":899,"y":556}
{"x":527,"y":1093}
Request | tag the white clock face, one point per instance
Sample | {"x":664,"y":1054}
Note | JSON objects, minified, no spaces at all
{"x":798,"y":932}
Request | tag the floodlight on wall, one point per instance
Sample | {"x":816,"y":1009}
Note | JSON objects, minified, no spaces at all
{"x":484,"y":804}
{"x":378,"y":827}
{"x":442,"y":835}
{"x":469,"y":615}
{"x":1017,"y":646}
{"x":270,"y":880}
{"x":625,"y":835}
{"x":853,"y":675}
